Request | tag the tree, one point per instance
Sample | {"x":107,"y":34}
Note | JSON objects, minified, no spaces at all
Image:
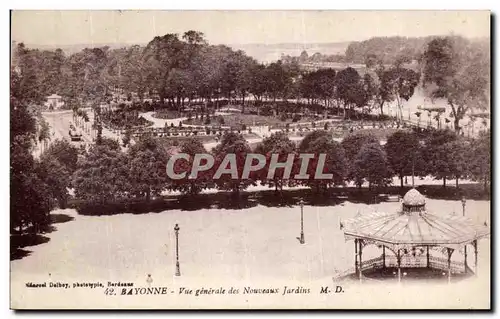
{"x":258,"y":84}
{"x":334,"y":164}
{"x":186,"y":185}
{"x":436,"y":154}
{"x":132,"y":71}
{"x":303,"y":56}
{"x":43,"y":134}
{"x":457,"y":156}
{"x":348,"y":83}
{"x":245,"y":65}
{"x":480,"y":159}
{"x":234,"y":144}
{"x":29,"y":204}
{"x":319,"y":84}
{"x":52,"y":172}
{"x":161,"y":56}
{"x":386,"y":92}
{"x":406,"y":84}
{"x":458,"y":71}
{"x":147,"y":168}
{"x":398,"y":84}
{"x":86,"y":76}
{"x":371,"y":164}
{"x":65,"y":153}
{"x":280,"y":144}
{"x":352,"y":144}
{"x":277,"y":80}
{"x":404,"y":154}
{"x":371,"y":60}
{"x":102,"y":174}
{"x":128,"y":136}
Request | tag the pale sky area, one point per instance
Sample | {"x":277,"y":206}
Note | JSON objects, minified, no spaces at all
{"x":240,"y":27}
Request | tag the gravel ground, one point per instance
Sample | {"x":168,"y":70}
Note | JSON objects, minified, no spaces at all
{"x":255,"y":246}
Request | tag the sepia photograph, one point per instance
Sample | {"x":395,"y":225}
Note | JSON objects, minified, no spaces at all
{"x":264,"y":159}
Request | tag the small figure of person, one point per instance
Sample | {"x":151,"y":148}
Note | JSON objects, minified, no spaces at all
{"x":149,"y":280}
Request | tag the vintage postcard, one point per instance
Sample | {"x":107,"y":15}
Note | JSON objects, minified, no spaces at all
{"x":250,"y":160}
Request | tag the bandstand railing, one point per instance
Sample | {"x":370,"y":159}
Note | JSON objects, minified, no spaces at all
{"x":413,"y":262}
{"x":406,"y":262}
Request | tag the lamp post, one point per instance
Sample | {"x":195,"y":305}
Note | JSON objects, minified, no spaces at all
{"x":465,"y":246}
{"x":177,"y":268}
{"x":463,"y":205}
{"x":302,"y":240}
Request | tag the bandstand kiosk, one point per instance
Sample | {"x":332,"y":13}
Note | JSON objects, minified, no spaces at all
{"x":408,"y":236}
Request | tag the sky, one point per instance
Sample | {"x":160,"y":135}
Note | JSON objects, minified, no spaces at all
{"x":240,"y":27}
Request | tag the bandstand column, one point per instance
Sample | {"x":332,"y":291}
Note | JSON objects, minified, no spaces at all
{"x":356,"y":256}
{"x":428,"y":264}
{"x":399,"y":265}
{"x":360,"y":259}
{"x":465,"y":258}
{"x":475,"y":257}
{"x":450,"y":251}
{"x":383,"y":256}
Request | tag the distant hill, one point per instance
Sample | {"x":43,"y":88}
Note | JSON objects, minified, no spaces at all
{"x":74,"y":48}
{"x":273,"y":52}
{"x":389,"y":49}
{"x":259,"y":51}
{"x":386,"y":48}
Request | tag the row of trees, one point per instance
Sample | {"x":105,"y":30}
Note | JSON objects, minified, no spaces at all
{"x":36,"y":185}
{"x":376,"y":88}
{"x":181,"y":69}
{"x":105,"y":173}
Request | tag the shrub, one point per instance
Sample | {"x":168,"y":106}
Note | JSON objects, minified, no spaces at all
{"x":220,"y":119}
{"x":283,"y":117}
{"x":266,"y":110}
{"x":296,"y":118}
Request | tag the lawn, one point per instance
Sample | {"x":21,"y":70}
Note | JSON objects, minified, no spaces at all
{"x":380,"y":134}
{"x":180,"y":139}
{"x":238,"y":120}
{"x":168,"y":114}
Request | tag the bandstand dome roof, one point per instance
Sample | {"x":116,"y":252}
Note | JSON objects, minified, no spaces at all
{"x":413,"y":198}
{"x":402,"y":227}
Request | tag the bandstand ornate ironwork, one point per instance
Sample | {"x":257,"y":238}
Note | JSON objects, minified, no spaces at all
{"x":411,"y":233}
